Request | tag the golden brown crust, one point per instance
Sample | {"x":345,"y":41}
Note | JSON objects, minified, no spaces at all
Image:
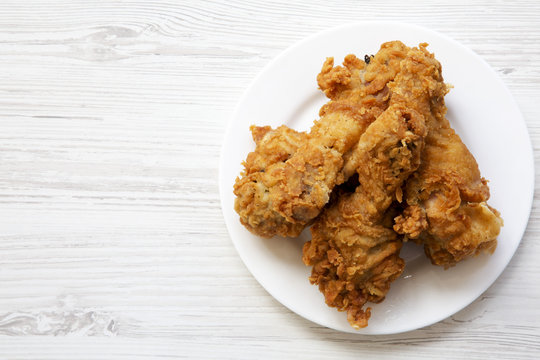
{"x":446,"y":196}
{"x":354,"y":251}
{"x":354,"y":254}
{"x":332,"y":80}
{"x":412,"y":222}
{"x":273,"y":147}
{"x":292,"y":190}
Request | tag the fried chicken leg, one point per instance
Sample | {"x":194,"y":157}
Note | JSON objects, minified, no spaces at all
{"x":354,"y":251}
{"x":288,"y":192}
{"x":446,"y":197}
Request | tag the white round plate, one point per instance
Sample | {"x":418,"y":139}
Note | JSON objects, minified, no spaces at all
{"x":481,"y":110}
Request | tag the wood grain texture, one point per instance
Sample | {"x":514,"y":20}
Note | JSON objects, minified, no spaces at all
{"x":112,"y":241}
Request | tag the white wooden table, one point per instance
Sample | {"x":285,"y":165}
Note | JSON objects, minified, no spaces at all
{"x":112,"y":241}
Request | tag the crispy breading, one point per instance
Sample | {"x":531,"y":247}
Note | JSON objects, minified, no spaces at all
{"x":416,"y":180}
{"x":446,"y":197}
{"x":354,"y":254}
{"x":286,"y":195}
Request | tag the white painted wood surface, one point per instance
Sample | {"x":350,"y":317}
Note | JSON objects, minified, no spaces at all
{"x":112,"y":241}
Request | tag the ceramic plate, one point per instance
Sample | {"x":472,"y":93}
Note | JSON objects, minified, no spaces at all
{"x":481,"y":110}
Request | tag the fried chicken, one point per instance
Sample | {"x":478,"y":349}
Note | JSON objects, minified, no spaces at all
{"x":283,"y":194}
{"x":446,"y":197}
{"x":384,"y":122}
{"x":354,"y":251}
{"x":273,"y":148}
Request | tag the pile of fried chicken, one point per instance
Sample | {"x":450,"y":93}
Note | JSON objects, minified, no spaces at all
{"x":381,"y":166}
